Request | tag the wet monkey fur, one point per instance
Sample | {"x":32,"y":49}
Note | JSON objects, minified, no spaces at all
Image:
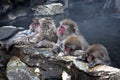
{"x":72,"y":43}
{"x":35,"y":25}
{"x":97,"y":54}
{"x":67,"y":27}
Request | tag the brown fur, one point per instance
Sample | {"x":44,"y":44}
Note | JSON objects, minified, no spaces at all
{"x":99,"y":53}
{"x":71,"y":24}
{"x":34,"y":25}
{"x":75,"y":42}
{"x":71,"y":28}
{"x":47,"y":31}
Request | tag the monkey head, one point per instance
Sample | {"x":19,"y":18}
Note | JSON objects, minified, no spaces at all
{"x":71,"y":44}
{"x":97,"y":54}
{"x":47,"y":23}
{"x":95,"y":51}
{"x":35,"y":25}
{"x":61,"y":30}
{"x":66,"y":25}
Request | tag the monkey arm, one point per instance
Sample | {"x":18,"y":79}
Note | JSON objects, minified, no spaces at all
{"x":95,"y":62}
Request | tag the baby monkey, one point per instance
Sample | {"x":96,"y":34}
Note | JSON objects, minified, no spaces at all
{"x":72,"y":43}
{"x":97,"y":54}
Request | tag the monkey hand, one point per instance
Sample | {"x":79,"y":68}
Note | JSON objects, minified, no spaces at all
{"x":81,"y":58}
{"x":92,"y":64}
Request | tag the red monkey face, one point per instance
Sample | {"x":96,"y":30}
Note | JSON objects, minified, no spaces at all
{"x":35,"y":25}
{"x":61,"y":30}
{"x":67,"y":49}
{"x":90,"y":58}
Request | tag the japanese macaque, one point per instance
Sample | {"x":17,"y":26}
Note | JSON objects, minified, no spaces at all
{"x":35,"y":25}
{"x":67,"y":27}
{"x":24,"y":37}
{"x":47,"y":31}
{"x":72,"y":43}
{"x":97,"y":54}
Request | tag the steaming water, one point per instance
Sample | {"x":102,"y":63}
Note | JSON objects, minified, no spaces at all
{"x":94,"y":24}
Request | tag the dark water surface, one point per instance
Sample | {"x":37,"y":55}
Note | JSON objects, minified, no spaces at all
{"x":94,"y":24}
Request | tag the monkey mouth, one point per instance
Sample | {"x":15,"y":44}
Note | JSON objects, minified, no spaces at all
{"x":61,"y":30}
{"x":67,"y":51}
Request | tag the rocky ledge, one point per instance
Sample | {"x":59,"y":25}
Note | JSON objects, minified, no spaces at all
{"x":30,"y":63}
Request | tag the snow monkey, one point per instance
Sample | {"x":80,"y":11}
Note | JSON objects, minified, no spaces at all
{"x":67,"y":27}
{"x":35,"y":25}
{"x":47,"y":31}
{"x":97,"y":54}
{"x":23,"y":37}
{"x":72,"y":43}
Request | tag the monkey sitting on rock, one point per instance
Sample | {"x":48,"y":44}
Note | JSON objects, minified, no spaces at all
{"x":23,"y":37}
{"x":67,"y":28}
{"x":97,"y":54}
{"x":46,"y":36}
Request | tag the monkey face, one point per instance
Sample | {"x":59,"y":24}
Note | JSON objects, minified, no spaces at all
{"x":35,"y":25}
{"x":47,"y":23}
{"x":90,"y":58}
{"x":61,"y":30}
{"x":69,"y":49}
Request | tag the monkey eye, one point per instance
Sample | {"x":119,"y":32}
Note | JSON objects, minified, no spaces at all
{"x":62,"y":26}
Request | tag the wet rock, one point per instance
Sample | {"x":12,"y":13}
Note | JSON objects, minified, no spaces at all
{"x":64,"y":2}
{"x":65,"y":76}
{"x":4,"y":58}
{"x":46,"y":66}
{"x":42,"y":58}
{"x":34,"y":56}
{"x":7,"y":32}
{"x":17,"y":12}
{"x":17,"y":70}
{"x":50,"y":9}
{"x":52,"y":67}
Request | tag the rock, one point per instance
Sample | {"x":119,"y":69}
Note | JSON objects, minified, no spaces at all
{"x":37,"y":2}
{"x":17,"y":12}
{"x":65,"y":76}
{"x":7,"y":32}
{"x":5,"y":5}
{"x":35,"y":56}
{"x":50,"y":9}
{"x":43,"y":63}
{"x":4,"y":58}
{"x":42,"y":60}
{"x":17,"y":70}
